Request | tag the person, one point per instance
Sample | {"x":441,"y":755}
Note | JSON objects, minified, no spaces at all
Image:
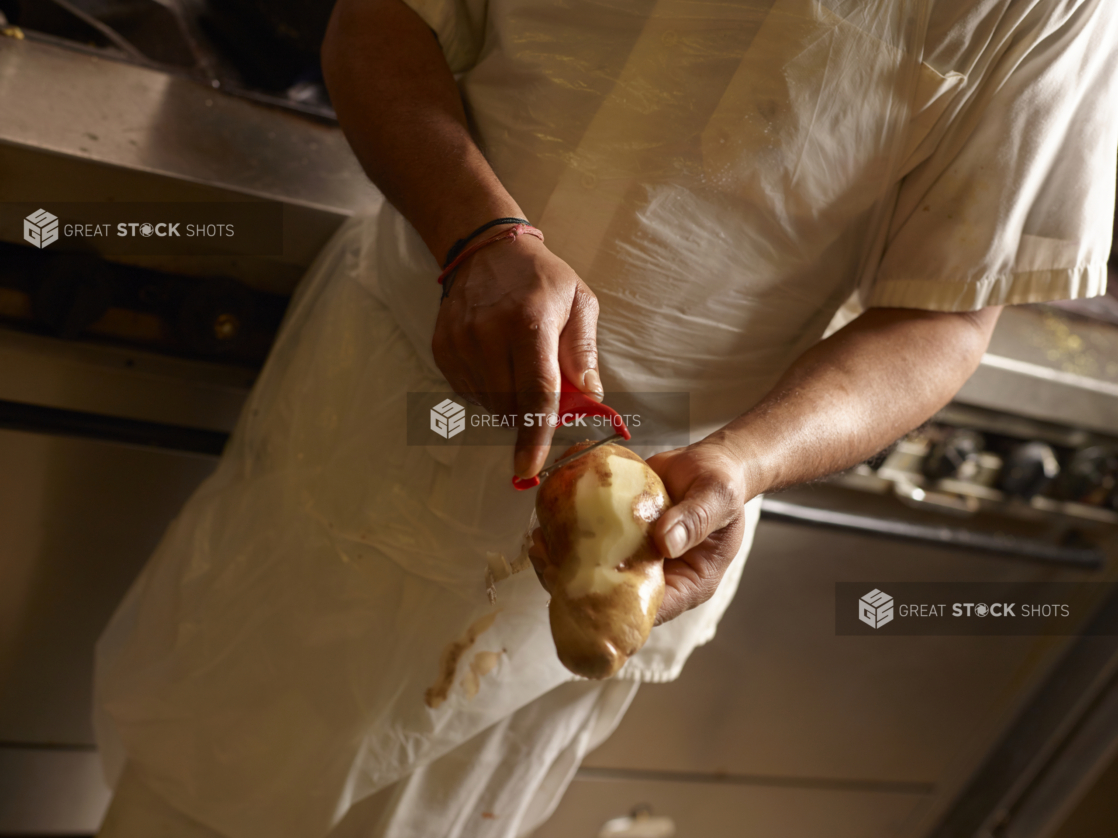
{"x":713,"y":181}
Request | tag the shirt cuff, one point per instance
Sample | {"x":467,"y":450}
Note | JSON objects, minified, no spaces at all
{"x":1005,"y":289}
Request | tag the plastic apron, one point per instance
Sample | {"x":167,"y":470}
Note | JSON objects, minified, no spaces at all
{"x":718,"y":174}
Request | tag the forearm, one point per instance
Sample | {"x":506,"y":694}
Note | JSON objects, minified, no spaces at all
{"x":401,"y":111}
{"x":853,"y":394}
{"x":517,"y":317}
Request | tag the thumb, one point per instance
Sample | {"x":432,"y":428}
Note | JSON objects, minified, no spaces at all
{"x":578,"y":343}
{"x":708,"y":506}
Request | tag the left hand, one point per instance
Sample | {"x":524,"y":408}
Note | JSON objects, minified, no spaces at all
{"x":706,"y":483}
{"x":701,"y":534}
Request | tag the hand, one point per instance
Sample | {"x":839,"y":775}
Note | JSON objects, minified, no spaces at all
{"x":515,"y":316}
{"x":706,"y":483}
{"x":701,"y":534}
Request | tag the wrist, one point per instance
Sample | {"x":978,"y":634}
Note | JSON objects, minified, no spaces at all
{"x":487,"y":233}
{"x":462,"y":220}
{"x":749,"y":464}
{"x":465,"y":248}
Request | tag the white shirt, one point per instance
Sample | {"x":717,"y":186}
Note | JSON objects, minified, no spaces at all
{"x":746,"y":166}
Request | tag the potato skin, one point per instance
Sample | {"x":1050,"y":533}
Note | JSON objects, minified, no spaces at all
{"x":596,"y":633}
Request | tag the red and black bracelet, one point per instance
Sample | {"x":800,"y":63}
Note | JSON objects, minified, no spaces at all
{"x":459,"y":252}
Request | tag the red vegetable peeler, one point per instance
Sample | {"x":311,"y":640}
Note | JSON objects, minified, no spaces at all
{"x":572,"y":402}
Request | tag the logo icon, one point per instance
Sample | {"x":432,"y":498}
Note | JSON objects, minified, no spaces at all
{"x":448,"y":418}
{"x":40,"y":228}
{"x":146,"y":230}
{"x":875,"y":609}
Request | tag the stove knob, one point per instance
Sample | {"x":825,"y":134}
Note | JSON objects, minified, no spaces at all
{"x":1028,"y":470}
{"x":956,"y":455}
{"x":1090,"y":476}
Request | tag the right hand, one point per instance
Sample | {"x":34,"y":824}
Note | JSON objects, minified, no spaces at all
{"x":516,"y":316}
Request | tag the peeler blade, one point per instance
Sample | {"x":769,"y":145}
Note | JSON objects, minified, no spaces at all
{"x":531,"y":482}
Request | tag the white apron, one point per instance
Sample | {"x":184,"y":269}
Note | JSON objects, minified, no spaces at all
{"x":723,"y":175}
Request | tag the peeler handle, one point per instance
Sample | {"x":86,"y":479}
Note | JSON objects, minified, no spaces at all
{"x":573,"y":400}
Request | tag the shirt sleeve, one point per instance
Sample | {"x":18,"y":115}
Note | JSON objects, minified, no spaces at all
{"x":1015,"y":201}
{"x":459,"y":25}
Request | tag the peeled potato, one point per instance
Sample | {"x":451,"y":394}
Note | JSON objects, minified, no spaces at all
{"x":605,"y":576}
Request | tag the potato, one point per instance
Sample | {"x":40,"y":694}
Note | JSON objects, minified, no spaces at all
{"x":605,"y":575}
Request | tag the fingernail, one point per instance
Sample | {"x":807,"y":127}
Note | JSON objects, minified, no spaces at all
{"x":522,"y":463}
{"x":592,"y":383}
{"x":676,"y":540}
